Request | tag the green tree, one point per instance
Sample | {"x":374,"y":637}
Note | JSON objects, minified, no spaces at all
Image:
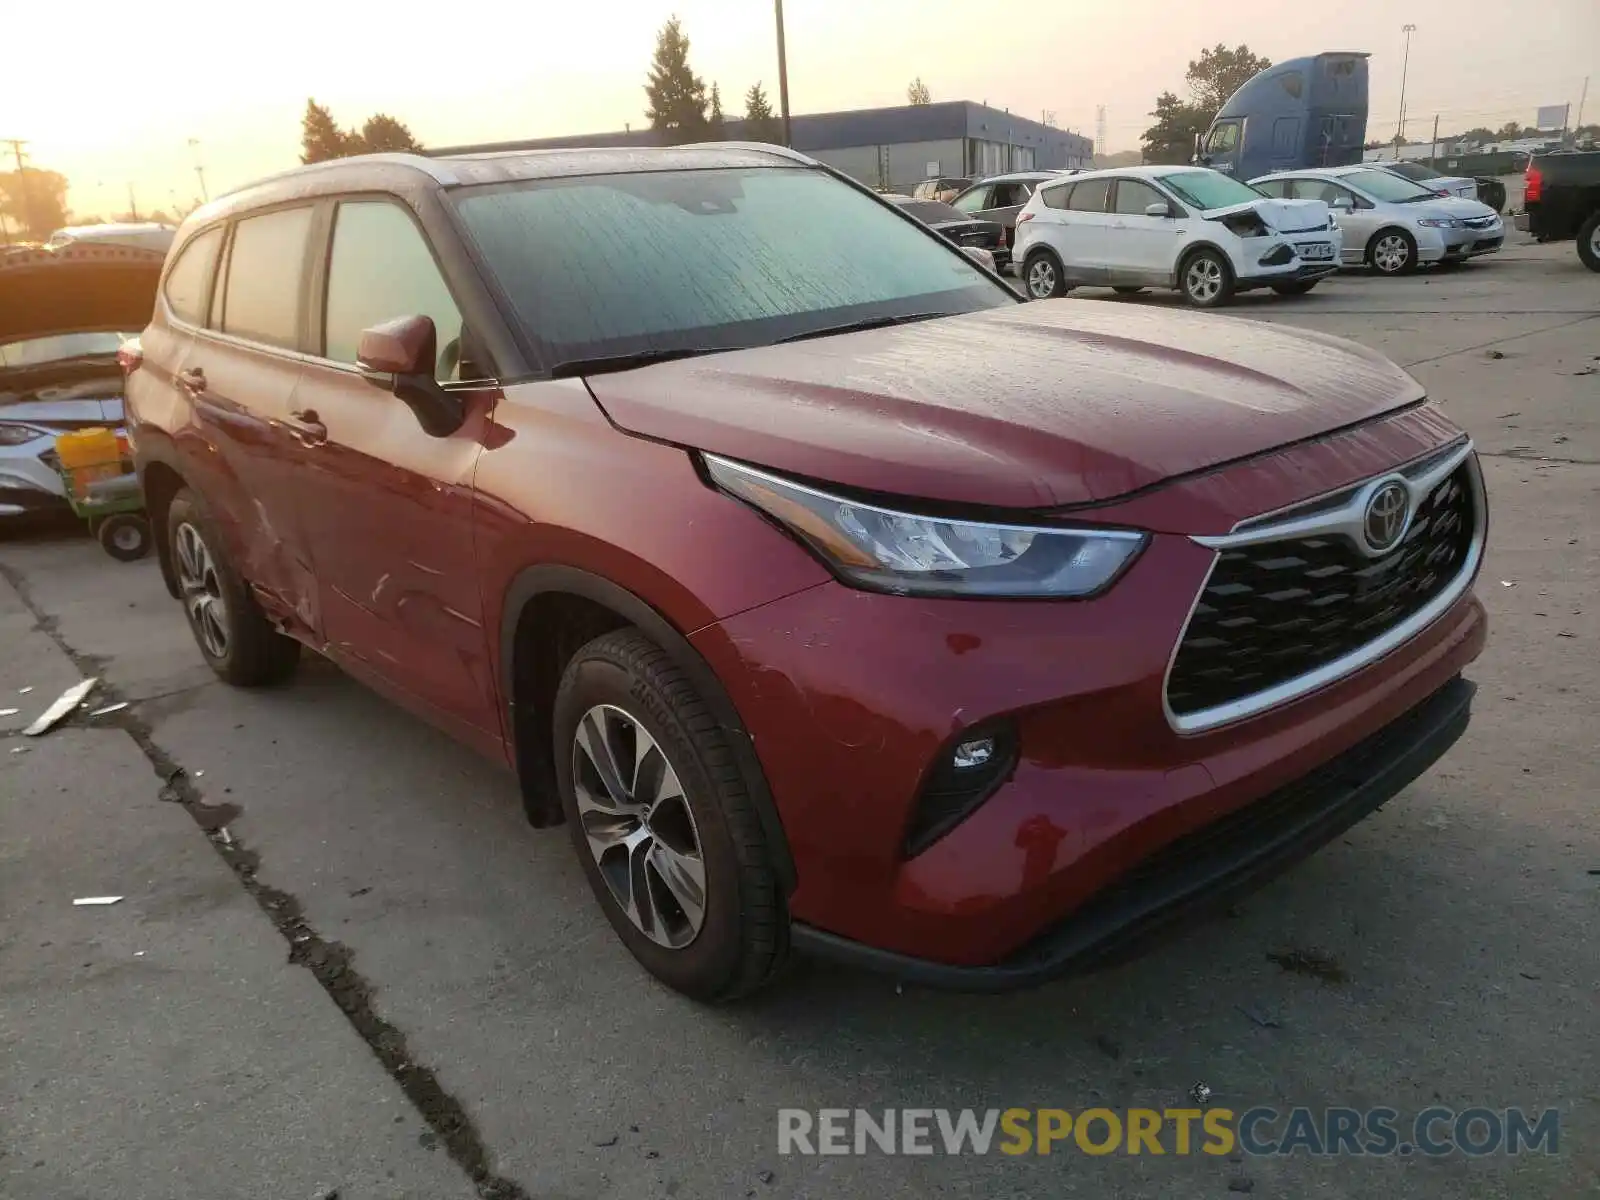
{"x":1511,"y":131}
{"x":760,"y":125}
{"x":1477,"y":136}
{"x":384,"y":134}
{"x":35,"y":201}
{"x":1171,"y":138}
{"x":677,"y":95}
{"x":321,"y":138}
{"x":716,"y":124}
{"x":1220,"y":72}
{"x":917,"y":92}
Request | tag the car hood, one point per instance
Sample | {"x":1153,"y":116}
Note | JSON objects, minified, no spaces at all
{"x":1284,"y":216}
{"x":1028,"y":406}
{"x":1448,"y":206}
{"x":76,"y":289}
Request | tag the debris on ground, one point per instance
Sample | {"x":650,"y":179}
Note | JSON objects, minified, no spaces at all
{"x":19,"y":749}
{"x":766,"y":1177}
{"x":57,"y":712}
{"x":1508,"y":583}
{"x":1200,"y":1093}
{"x":25,"y":691}
{"x":1308,"y":962}
{"x":83,"y":901}
{"x":602,"y":1143}
{"x":9,"y":712}
{"x":110,"y":708}
{"x":1240,"y":1184}
{"x":1494,"y":354}
{"x":1260,"y":1018}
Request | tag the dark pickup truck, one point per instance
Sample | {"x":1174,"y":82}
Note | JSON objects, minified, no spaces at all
{"x":1562,"y":201}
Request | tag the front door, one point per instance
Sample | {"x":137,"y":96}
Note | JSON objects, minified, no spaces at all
{"x":388,"y":507}
{"x":1146,"y":247}
{"x":1354,"y":214}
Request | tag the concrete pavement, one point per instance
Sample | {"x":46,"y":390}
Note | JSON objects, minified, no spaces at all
{"x":1454,"y":927}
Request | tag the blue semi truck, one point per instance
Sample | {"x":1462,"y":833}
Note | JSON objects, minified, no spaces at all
{"x":1307,"y":112}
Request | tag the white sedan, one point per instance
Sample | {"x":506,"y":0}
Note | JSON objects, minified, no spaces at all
{"x":1188,"y":228}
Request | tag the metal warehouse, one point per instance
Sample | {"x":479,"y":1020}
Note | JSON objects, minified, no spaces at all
{"x":887,"y":148}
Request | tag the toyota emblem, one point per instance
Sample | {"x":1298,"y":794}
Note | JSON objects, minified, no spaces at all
{"x":1386,"y":515}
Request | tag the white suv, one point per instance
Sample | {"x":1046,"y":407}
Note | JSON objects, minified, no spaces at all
{"x":1188,"y":228}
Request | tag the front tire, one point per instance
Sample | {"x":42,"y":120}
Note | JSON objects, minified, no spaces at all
{"x":234,"y":636}
{"x":1043,"y":277}
{"x":662,"y":821}
{"x":1589,"y":242}
{"x":1206,"y":279}
{"x":1392,"y":252}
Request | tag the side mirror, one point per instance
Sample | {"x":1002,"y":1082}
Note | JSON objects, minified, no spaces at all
{"x":1158,"y":210}
{"x":399,"y":356}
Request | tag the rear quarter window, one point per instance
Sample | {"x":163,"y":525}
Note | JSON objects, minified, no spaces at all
{"x":188,"y":285}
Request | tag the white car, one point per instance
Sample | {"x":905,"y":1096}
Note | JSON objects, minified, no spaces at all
{"x":1391,"y":224}
{"x":1188,"y":228}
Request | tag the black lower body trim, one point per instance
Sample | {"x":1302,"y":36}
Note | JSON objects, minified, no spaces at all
{"x":1204,"y":871}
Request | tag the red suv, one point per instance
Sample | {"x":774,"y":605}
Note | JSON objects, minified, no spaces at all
{"x":833,"y":597}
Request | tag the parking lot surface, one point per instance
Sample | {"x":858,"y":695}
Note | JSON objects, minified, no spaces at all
{"x":346,"y":966}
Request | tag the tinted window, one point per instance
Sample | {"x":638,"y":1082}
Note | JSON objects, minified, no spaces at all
{"x":381,"y":268}
{"x":1011,"y":195}
{"x":1223,"y":138}
{"x":1056,"y":197}
{"x":1276,"y":188}
{"x":970,"y":202}
{"x":1329,"y":193}
{"x":1089,"y":196}
{"x":190,"y":278}
{"x":1134,"y":197}
{"x":262,"y":301}
{"x":706,"y":259}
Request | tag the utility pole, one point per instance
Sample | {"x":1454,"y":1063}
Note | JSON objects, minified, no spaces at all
{"x":133,"y":204}
{"x":199,"y":171}
{"x":24,"y":192}
{"x":1583,"y":96}
{"x":1400,"y":130}
{"x":1435,"y":138}
{"x":783,"y":79}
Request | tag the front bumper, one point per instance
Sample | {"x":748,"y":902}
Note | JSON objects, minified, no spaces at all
{"x":1470,"y":243}
{"x":1200,"y":874}
{"x":28,"y":483}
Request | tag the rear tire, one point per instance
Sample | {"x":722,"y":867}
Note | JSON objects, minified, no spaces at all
{"x":1295,"y":289}
{"x":1043,"y":277}
{"x":1392,"y":252}
{"x":234,"y":636}
{"x":1206,"y":279}
{"x":124,"y":536}
{"x":1589,"y":242}
{"x":683,"y":872}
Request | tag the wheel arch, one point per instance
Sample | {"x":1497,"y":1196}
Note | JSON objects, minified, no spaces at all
{"x":1367,"y":250}
{"x":552,"y":610}
{"x":160,"y":480}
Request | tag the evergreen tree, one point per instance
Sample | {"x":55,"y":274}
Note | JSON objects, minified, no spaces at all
{"x":677,"y":95}
{"x":716,"y":127}
{"x":383,"y":134}
{"x":320,"y":137}
{"x":760,"y":125}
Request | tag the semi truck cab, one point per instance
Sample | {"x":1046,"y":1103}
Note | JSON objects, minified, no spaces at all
{"x":1306,"y":112}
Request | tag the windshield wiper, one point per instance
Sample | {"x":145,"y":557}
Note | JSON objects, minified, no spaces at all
{"x":627,"y":362}
{"x":860,"y":326}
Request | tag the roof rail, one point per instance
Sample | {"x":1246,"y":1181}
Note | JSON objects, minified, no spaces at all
{"x":429,"y":166}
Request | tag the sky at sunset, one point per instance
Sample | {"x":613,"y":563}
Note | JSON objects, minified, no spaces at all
{"x":116,"y":101}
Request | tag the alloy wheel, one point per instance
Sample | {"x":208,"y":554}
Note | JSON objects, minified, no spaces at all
{"x":639,"y":826}
{"x":1391,"y":253}
{"x":202,"y":590}
{"x":1594,"y":241}
{"x":1042,"y":279}
{"x":1203,"y":280}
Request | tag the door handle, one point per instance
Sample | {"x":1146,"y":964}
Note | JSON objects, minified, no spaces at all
{"x":307,"y":427}
{"x":192,"y":380}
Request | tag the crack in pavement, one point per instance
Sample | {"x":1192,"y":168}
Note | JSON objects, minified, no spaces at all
{"x":1529,"y":456}
{"x":1515,"y":337}
{"x":331,"y":963}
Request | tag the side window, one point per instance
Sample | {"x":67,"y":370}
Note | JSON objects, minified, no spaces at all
{"x":1278,"y":189}
{"x":381,"y":269}
{"x":1055,"y":197}
{"x":1133,"y":197}
{"x":1090,"y":196}
{"x":1328,"y":193}
{"x":262,"y":297}
{"x":189,"y":282}
{"x":1223,"y":138}
{"x":1011,"y":195}
{"x":973,"y":201}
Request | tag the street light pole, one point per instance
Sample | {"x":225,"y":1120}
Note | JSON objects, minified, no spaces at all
{"x":1400,"y":130}
{"x":783,"y":78}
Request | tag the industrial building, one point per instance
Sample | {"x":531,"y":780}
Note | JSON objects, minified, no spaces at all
{"x":892,"y":149}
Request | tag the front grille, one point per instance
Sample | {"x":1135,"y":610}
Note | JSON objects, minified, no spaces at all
{"x":1486,"y":243}
{"x":1478,"y":222}
{"x":1278,"y":610}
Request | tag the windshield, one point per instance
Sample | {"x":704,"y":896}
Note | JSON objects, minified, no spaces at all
{"x":613,"y":265}
{"x":1381,"y":185}
{"x":929,"y":211}
{"x":35,"y":352}
{"x":1209,"y":189}
{"x":1415,"y":172}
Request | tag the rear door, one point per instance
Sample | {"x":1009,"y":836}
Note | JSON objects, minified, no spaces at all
{"x":1143,"y":249}
{"x":1088,"y":249}
{"x":388,"y":507}
{"x":240,"y":376}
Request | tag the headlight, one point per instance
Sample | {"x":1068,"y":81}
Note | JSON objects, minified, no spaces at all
{"x":1439,"y":223}
{"x":19,"y":435}
{"x":888,"y":551}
